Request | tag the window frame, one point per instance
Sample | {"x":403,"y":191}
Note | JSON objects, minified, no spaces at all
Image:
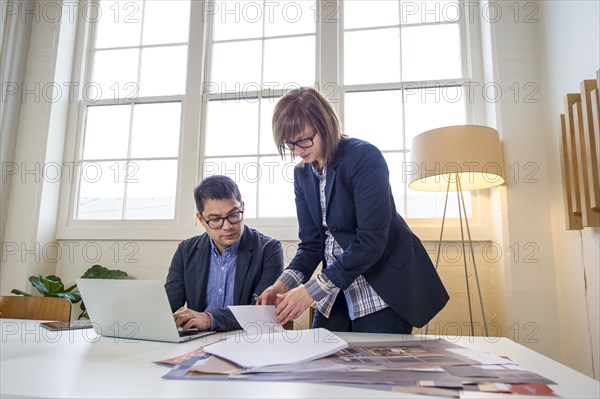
{"x":177,"y":228}
{"x":329,"y":39}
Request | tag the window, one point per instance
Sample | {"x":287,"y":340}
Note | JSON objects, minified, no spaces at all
{"x":415,"y":83}
{"x":178,"y":89}
{"x":256,"y":50}
{"x":129,"y":152}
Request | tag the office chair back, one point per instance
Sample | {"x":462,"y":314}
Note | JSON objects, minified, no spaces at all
{"x":35,"y":308}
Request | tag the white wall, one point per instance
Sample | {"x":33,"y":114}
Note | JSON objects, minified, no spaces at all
{"x":529,"y":282}
{"x":571,"y":42}
{"x":454,"y":318}
{"x":32,"y":208}
{"x":541,"y":51}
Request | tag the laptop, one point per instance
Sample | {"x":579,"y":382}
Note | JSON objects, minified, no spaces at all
{"x":132,"y":309}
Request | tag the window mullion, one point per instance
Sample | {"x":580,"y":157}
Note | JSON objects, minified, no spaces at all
{"x":327,"y":47}
{"x":140,"y":49}
{"x":193,"y":114}
{"x":135,"y":100}
{"x":262,"y":79}
{"x":405,"y":155}
{"x":129,"y":141}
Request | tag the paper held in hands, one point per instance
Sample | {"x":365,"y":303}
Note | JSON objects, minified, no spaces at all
{"x":256,"y":320}
{"x":274,"y":348}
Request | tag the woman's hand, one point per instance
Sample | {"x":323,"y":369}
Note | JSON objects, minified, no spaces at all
{"x":292,"y":304}
{"x":188,"y":318}
{"x":269,"y":295}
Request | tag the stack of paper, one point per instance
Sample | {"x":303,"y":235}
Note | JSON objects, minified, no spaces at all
{"x":275,"y":348}
{"x":429,"y":366}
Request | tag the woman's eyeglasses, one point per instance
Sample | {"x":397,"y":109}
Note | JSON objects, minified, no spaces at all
{"x":302,"y":143}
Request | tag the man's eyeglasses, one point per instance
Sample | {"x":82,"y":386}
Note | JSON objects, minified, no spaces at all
{"x":217,"y":223}
{"x":302,"y":143}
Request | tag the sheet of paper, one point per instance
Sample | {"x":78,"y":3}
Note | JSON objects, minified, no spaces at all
{"x":174,"y":361}
{"x":214,"y":365}
{"x":256,"y":320}
{"x":481,"y":357}
{"x":284,"y":347}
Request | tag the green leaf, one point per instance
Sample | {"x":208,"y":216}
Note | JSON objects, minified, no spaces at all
{"x":53,"y":278}
{"x":48,"y":286}
{"x":37,"y":283}
{"x":74,"y":297}
{"x":54,"y":285}
{"x":71,"y":288}
{"x":98,"y":271}
{"x":19,"y":292}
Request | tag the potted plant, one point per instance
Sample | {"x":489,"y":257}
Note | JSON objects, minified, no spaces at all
{"x":53,"y":286}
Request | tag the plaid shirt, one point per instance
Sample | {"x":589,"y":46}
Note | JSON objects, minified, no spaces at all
{"x":362,"y":300}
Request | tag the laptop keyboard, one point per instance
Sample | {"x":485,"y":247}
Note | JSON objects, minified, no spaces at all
{"x":191,"y":331}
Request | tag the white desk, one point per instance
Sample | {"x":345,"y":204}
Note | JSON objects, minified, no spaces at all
{"x":36,"y":362}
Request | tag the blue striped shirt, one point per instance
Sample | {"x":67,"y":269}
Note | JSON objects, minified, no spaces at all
{"x":221,"y":276}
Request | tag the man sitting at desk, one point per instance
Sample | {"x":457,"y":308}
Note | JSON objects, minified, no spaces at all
{"x":230,"y":264}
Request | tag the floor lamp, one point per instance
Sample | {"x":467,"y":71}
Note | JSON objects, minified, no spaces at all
{"x":458,"y":158}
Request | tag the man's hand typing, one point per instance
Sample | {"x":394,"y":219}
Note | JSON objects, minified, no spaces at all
{"x":187,"y":318}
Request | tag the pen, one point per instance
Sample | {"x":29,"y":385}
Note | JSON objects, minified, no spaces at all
{"x":256,"y":299}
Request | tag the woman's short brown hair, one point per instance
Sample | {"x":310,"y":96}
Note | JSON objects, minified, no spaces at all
{"x":302,"y":108}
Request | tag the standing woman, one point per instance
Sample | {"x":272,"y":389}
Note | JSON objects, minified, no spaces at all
{"x":376,"y":276}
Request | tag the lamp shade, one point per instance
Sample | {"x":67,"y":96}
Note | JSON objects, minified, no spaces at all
{"x":471,"y":151}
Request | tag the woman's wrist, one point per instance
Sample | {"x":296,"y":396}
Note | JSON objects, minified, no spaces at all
{"x":281,"y":287}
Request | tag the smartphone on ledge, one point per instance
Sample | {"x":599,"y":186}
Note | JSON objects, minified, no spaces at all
{"x":67,"y":325}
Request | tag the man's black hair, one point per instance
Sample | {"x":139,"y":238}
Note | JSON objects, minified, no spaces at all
{"x":215,"y":187}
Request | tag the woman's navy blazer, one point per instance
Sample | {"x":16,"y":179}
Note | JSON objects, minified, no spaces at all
{"x":377,"y":242}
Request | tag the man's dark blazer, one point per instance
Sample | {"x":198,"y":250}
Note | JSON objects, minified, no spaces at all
{"x":377,"y":242}
{"x":259,"y":263}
